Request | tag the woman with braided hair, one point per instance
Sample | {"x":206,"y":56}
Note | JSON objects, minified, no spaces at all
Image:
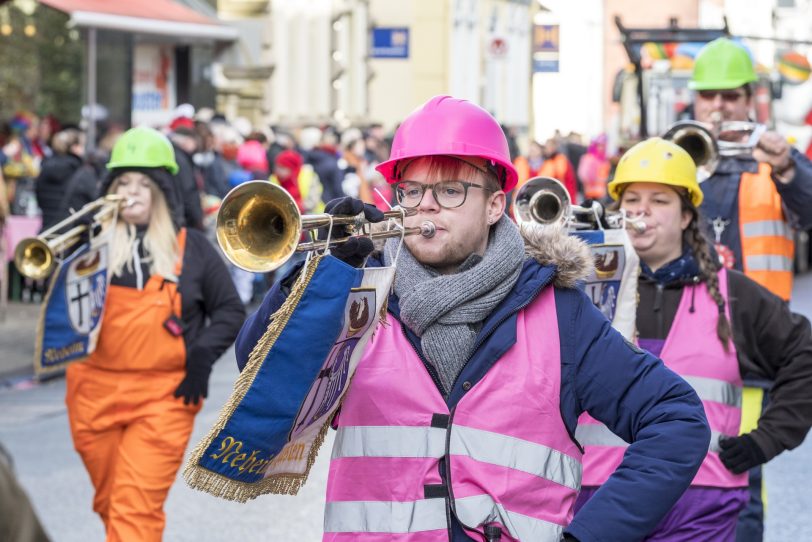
{"x":712,"y":326}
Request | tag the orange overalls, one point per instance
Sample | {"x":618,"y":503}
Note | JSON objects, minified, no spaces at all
{"x":129,"y":429}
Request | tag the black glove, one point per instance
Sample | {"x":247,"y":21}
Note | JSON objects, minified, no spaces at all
{"x":195,"y":385}
{"x":569,"y":538}
{"x":354,"y":251}
{"x":740,"y":454}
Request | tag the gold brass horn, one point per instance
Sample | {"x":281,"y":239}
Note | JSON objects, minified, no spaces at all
{"x":706,"y":146}
{"x":259,"y":226}
{"x":698,"y":141}
{"x":544,"y":201}
{"x":36,"y":257}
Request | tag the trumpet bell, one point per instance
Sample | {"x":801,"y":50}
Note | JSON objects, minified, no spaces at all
{"x":258,"y":226}
{"x":34,"y":258}
{"x":699,"y":143}
{"x":542,"y":200}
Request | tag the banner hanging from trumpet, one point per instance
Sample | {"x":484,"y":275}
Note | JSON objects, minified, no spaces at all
{"x":612,"y":286}
{"x":270,"y":430}
{"x":71,"y":316}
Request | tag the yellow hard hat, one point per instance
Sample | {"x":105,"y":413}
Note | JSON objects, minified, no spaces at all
{"x":656,"y":160}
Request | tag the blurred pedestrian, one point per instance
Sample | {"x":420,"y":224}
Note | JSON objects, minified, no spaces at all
{"x":83,"y":186}
{"x":252,"y":157}
{"x":170,"y":312}
{"x":20,"y":165}
{"x":557,"y":165}
{"x":188,"y":184}
{"x":68,"y":150}
{"x":299,"y":180}
{"x":317,"y":152}
{"x":593,"y":169}
{"x":529,"y":166}
{"x":354,"y":165}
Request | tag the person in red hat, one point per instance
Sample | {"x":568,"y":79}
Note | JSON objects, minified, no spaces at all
{"x":299,"y":179}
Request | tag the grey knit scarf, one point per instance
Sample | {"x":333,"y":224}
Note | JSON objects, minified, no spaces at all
{"x":447,"y":311}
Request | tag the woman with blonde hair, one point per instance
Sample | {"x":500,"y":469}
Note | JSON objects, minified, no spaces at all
{"x":170,"y":312}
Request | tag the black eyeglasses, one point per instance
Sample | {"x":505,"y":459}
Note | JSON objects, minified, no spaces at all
{"x":727,"y":95}
{"x":448,"y":194}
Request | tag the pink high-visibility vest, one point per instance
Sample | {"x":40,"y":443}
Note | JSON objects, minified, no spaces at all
{"x":693,"y":351}
{"x":504,"y":446}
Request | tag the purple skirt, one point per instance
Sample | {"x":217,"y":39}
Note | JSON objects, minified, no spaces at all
{"x":700,"y":515}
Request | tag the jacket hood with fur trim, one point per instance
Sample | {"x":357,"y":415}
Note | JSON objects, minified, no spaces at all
{"x":552,"y":246}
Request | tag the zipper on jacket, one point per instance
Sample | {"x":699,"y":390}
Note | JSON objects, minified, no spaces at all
{"x":658,"y":309}
{"x":450,"y":509}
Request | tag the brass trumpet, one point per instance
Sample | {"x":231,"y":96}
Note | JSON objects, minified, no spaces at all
{"x":36,"y":257}
{"x":545,"y":201}
{"x":259,"y":227}
{"x":706,"y":146}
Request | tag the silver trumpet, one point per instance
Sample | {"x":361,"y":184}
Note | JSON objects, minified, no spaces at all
{"x":707,"y":145}
{"x":544,"y":201}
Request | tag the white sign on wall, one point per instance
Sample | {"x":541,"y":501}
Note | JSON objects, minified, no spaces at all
{"x":153,"y":93}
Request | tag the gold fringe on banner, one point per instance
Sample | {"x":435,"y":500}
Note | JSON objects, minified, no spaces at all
{"x":286,"y":484}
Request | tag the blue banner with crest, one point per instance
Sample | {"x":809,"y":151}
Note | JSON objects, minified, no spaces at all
{"x":71,"y":317}
{"x":270,"y":430}
{"x":612,"y":286}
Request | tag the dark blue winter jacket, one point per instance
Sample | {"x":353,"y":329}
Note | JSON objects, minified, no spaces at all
{"x":626,"y":388}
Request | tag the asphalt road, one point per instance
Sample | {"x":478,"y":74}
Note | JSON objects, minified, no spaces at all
{"x":34,"y":427}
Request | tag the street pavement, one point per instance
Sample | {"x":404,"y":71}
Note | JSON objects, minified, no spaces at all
{"x":34,"y":428}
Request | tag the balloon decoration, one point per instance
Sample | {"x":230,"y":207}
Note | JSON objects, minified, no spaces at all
{"x":793,"y":67}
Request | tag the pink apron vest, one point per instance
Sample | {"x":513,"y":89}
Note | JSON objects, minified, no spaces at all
{"x":693,"y":351}
{"x":509,"y":458}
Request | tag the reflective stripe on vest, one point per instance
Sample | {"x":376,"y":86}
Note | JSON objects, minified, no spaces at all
{"x":767,"y":241}
{"x":484,"y":446}
{"x":718,"y":391}
{"x":508,"y":457}
{"x":768,"y":263}
{"x":767,"y":228}
{"x":692,"y":350}
{"x":600,"y":435}
{"x":385,"y":517}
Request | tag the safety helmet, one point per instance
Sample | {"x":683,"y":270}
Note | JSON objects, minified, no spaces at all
{"x":656,"y":160}
{"x":143,"y":147}
{"x":450,"y":126}
{"x":720,"y":65}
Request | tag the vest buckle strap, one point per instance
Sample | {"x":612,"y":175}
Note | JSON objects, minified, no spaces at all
{"x":435,"y":491}
{"x":440,"y":421}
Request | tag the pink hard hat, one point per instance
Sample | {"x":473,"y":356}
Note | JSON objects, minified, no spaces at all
{"x":449,"y":126}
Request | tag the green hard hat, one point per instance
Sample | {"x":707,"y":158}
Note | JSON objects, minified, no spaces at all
{"x":143,"y":147}
{"x":720,"y":65}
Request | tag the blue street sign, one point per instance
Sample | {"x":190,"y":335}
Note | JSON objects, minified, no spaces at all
{"x":390,"y":42}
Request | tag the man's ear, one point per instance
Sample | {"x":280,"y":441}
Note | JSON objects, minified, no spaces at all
{"x":496,"y":206}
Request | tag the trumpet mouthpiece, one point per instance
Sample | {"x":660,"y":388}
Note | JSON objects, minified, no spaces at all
{"x":427,"y":229}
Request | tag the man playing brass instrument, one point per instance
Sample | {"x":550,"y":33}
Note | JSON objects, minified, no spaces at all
{"x":459,"y":421}
{"x":752,"y":202}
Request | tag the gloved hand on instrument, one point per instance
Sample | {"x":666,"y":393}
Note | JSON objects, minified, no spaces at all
{"x":354,"y":251}
{"x":740,"y":454}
